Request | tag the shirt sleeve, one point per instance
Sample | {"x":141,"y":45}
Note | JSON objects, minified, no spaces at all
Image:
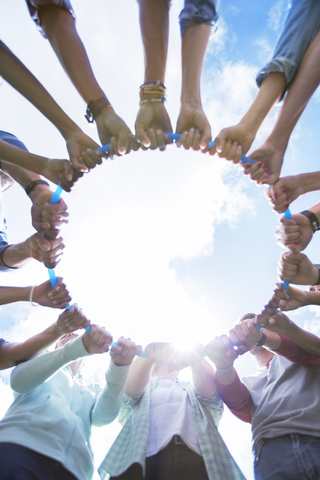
{"x":29,"y":375}
{"x":109,"y":400}
{"x":214,"y":405}
{"x":33,"y":6}
{"x":237,"y":398}
{"x":301,"y":26}
{"x":291,"y":351}
{"x":3,"y":245}
{"x":196,"y":12}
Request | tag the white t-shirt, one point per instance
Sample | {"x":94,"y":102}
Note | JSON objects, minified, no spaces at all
{"x":170,"y":414}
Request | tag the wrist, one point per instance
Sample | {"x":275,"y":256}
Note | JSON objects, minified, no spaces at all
{"x":34,"y":188}
{"x":191,"y":101}
{"x":279,"y":142}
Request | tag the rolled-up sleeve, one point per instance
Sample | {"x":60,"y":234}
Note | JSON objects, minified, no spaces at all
{"x":301,"y":26}
{"x":33,"y":6}
{"x":196,"y":12}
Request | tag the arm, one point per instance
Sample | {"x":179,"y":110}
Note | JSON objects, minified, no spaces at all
{"x":60,"y":28}
{"x":152,"y":119}
{"x":108,"y":404}
{"x":35,"y":247}
{"x":192,"y":122}
{"x":160,"y":353}
{"x":296,"y":268}
{"x":42,"y":294}
{"x":42,"y":367}
{"x":276,"y":321}
{"x":296,"y":234}
{"x":57,"y":171}
{"x":288,"y":189}
{"x":271,"y":153}
{"x":15,"y":73}
{"x":244,"y":133}
{"x":235,"y":395}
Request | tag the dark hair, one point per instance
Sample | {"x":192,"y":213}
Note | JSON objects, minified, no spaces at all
{"x":247,"y":316}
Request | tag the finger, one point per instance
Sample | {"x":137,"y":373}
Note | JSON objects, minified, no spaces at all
{"x":205,"y":139}
{"x":141,"y":135}
{"x":153,"y":139}
{"x":160,"y":140}
{"x":123,"y":141}
{"x":233,"y":151}
{"x":226,"y":149}
{"x":196,"y":141}
{"x":189,"y":140}
{"x":183,"y":137}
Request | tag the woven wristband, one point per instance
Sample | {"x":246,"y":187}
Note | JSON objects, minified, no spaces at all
{"x":318,"y":267}
{"x":312,"y":219}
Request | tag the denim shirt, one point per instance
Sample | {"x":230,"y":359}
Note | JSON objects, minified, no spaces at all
{"x":301,"y":26}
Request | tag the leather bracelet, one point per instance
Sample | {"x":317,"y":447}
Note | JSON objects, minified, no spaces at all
{"x":262,"y":340}
{"x":33,"y":184}
{"x":312,"y":219}
{"x":95,"y":107}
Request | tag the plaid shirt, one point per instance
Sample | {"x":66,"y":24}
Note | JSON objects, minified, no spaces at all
{"x":130,"y":445}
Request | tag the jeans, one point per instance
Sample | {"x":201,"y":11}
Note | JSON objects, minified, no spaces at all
{"x":175,"y":462}
{"x":21,"y":463}
{"x":290,"y":457}
{"x":301,"y":26}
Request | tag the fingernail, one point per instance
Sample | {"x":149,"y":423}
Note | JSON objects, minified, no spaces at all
{"x":276,"y":196}
{"x":285,"y":189}
{"x":259,"y":164}
{"x":219,"y":148}
{"x":268,"y":170}
{"x":287,"y":198}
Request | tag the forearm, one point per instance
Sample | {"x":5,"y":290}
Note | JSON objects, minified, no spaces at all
{"x":139,"y":376}
{"x":16,"y":256}
{"x":204,"y":379}
{"x":31,"y":374}
{"x":269,"y":93}
{"x":20,"y":78}
{"x":305,"y":340}
{"x":60,"y":29}
{"x":194,"y":45}
{"x":235,"y":394}
{"x":21,"y":352}
{"x":154,"y":26}
{"x":21,"y":158}
{"x":303,"y":87}
{"x":14,"y":294}
{"x":109,"y":402}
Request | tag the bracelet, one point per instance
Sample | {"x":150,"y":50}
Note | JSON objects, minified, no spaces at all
{"x":224,"y":369}
{"x":33,"y":184}
{"x":312,"y":219}
{"x":318,"y":267}
{"x":152,"y":83}
{"x":95,"y":107}
{"x":159,"y":99}
{"x":31,"y":295}
{"x":262,"y":340}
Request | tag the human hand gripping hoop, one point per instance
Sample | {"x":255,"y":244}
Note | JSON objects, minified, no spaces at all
{"x":105,"y":149}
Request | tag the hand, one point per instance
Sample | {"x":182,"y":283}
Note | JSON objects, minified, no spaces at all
{"x":112,"y":129}
{"x":275,"y":321}
{"x":47,"y":218}
{"x":294,"y":234}
{"x":81,"y":151}
{"x":71,"y":320}
{"x":124,"y":352}
{"x":194,"y":128}
{"x":152,"y":120}
{"x":161,"y":353}
{"x":245,"y":335}
{"x":48,"y":252}
{"x":46,"y":296}
{"x":296,"y":268}
{"x":283,"y":192}
{"x":60,"y":172}
{"x":268,"y":162}
{"x":220,"y":352}
{"x":290,"y":300}
{"x":97,"y":341}
{"x":233,"y":141}
{"x":187,"y":358}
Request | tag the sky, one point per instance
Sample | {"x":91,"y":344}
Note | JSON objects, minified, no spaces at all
{"x":160,"y":246}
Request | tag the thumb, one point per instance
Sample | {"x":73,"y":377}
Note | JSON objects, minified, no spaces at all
{"x":220,"y":140}
{"x":206,"y":138}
